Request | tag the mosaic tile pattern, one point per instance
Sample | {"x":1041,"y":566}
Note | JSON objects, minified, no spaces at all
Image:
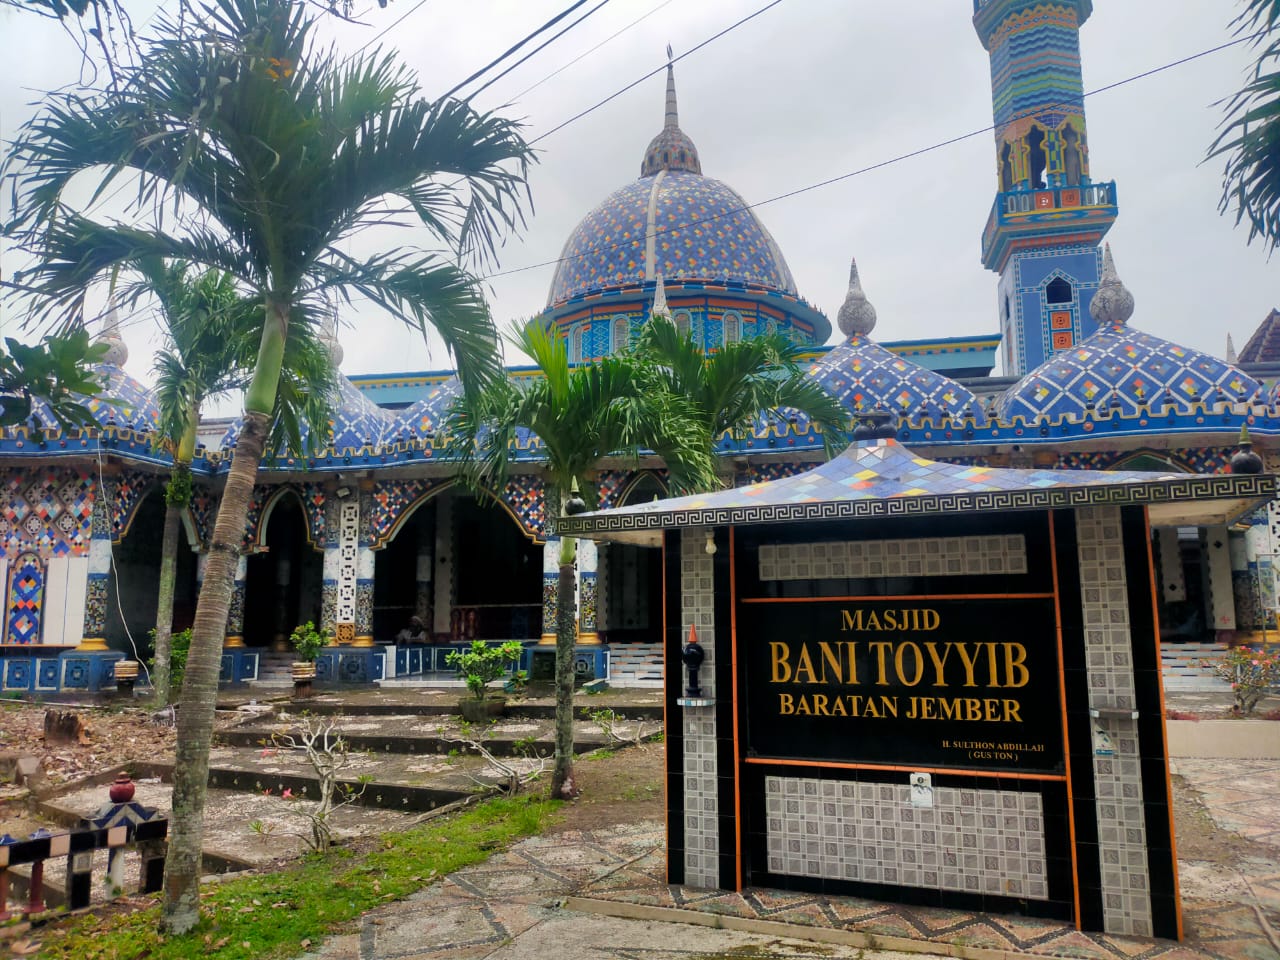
{"x":424,"y":418}
{"x":24,"y":611}
{"x":47,"y":511}
{"x":883,"y":478}
{"x":701,"y":786}
{"x":348,"y":550}
{"x":130,"y":404}
{"x":1124,"y":370}
{"x":390,"y":502}
{"x":764,"y":472}
{"x":702,"y":230}
{"x":357,"y":422}
{"x":1122,"y":837}
{"x":864,"y":376}
{"x":129,"y":490}
{"x":203,"y":508}
{"x":930,"y":557}
{"x":525,"y":494}
{"x":974,"y":841}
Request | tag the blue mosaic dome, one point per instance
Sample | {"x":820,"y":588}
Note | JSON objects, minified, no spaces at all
{"x":701,"y":229}
{"x":357,"y":422}
{"x":865,"y":376}
{"x":423,"y":418}
{"x":1122,"y":369}
{"x":124,"y":401}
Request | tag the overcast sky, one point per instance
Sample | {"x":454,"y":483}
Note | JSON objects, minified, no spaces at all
{"x":810,"y":90}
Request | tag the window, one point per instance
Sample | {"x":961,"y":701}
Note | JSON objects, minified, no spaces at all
{"x":576,"y":341}
{"x":1071,"y":156}
{"x":1058,"y":291}
{"x":682,"y":323}
{"x":732,"y":328}
{"x":621,"y":334}
{"x":1036,"y":156}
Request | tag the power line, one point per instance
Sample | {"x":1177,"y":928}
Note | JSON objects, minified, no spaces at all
{"x":399,"y":20}
{"x":493,"y":63}
{"x":534,"y":52}
{"x":867,"y":169}
{"x":651,"y":73}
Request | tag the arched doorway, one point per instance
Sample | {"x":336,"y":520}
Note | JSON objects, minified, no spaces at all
{"x":133,"y":585}
{"x":283,"y":579}
{"x":633,"y":610}
{"x":404,"y":575}
{"x":497,"y":574}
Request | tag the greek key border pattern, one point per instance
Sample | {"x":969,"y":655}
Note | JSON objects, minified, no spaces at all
{"x":1223,"y":487}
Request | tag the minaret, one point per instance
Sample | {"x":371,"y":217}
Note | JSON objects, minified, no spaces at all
{"x":1049,"y":217}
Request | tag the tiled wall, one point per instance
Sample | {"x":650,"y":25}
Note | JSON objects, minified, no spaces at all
{"x":701,"y":806}
{"x":971,"y":841}
{"x":933,"y":557}
{"x":1117,"y":776}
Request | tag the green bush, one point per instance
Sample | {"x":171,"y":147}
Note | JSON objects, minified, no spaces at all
{"x":179,"y":647}
{"x":481,"y":663}
{"x":308,"y":641}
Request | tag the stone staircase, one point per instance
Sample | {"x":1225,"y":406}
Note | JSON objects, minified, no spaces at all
{"x":274,"y":669}
{"x":1188,"y":667}
{"x":635,"y":665}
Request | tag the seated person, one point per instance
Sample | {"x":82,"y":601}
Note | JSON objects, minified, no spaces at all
{"x":415,"y":632}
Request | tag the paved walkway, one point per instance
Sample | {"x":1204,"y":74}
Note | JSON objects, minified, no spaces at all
{"x":593,"y":895}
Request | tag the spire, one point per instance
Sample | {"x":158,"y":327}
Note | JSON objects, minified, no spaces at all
{"x":659,"y":300}
{"x":1112,"y":302}
{"x":1231,"y":350}
{"x":857,"y":316}
{"x":329,"y":337}
{"x":671,"y":149}
{"x":117,"y":352}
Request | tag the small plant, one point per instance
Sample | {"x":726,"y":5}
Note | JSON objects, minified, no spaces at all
{"x":308,"y":641}
{"x":1251,"y":673}
{"x":328,"y":754}
{"x":179,"y":648}
{"x":481,"y":664}
{"x":609,"y":722}
{"x":262,"y":828}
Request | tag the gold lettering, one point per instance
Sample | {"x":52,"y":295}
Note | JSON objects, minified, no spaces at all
{"x":837,"y":707}
{"x":779,"y":654}
{"x":846,"y":670}
{"x":991,"y":708}
{"x":932,"y":620}
{"x":969,"y":662}
{"x":820,"y":705}
{"x":1015,"y":666}
{"x":880,"y":646}
{"x":972,"y":708}
{"x":804,"y":665}
{"x":873,"y":622}
{"x":950,"y":709}
{"x":802,"y":707}
{"x":926,"y":708}
{"x":939,"y":663}
{"x":786,"y":704}
{"x":848,"y":621}
{"x":889,"y":705}
{"x":1011,"y":708}
{"x":992,"y":672}
{"x":890,"y":621}
{"x":871,"y":710}
{"x":898,"y":665}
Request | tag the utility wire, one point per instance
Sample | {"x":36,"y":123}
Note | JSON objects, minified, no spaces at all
{"x":867,"y":169}
{"x":493,"y":63}
{"x":535,"y":51}
{"x":395,"y":23}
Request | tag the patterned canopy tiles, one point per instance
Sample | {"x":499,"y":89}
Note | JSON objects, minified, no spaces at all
{"x":424,"y":418}
{"x":863,"y":375}
{"x":701,"y":231}
{"x":124,"y":402}
{"x":1120,"y":368}
{"x":357,"y":422}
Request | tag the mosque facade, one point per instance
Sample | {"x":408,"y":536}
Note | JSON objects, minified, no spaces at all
{"x":375,"y":528}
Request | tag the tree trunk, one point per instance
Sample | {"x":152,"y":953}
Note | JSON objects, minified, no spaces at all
{"x":181,"y":910}
{"x":164,"y":604}
{"x":563,"y":785}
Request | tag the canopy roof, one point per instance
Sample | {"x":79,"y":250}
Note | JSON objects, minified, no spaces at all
{"x":881,"y":478}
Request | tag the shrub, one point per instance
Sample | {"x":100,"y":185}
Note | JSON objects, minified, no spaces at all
{"x":480,"y":663}
{"x":179,"y":648}
{"x":1251,"y":673}
{"x":308,"y":641}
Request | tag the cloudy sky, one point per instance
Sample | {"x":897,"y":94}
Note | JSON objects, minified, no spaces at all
{"x":807,"y":91}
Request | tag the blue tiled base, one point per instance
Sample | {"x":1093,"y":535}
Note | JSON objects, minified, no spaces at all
{"x":239,"y":665}
{"x":89,"y":670}
{"x":350,"y":664}
{"x":589,"y":663}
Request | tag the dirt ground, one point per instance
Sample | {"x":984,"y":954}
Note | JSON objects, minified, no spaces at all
{"x":622,"y":786}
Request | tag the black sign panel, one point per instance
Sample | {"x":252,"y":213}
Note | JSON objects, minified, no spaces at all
{"x":964,"y":683}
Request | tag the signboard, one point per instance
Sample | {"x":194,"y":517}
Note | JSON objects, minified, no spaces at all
{"x":929,"y":682}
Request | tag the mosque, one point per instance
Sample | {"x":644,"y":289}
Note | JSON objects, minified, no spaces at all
{"x":375,"y":529}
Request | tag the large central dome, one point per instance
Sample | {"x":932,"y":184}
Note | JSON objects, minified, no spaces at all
{"x":672,"y":222}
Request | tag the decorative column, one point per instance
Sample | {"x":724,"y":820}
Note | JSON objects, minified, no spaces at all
{"x":235,"y":613}
{"x":345,"y":576}
{"x":93,"y":635}
{"x":366,"y":561}
{"x":701,"y":771}
{"x":1117,"y":773}
{"x":1173,"y":585}
{"x":550,"y":589}
{"x":331,"y":566}
{"x":444,"y":569}
{"x":1219,"y":595}
{"x":588,"y":597}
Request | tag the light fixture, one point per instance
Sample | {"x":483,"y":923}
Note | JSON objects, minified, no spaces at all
{"x":710,"y":548}
{"x":342,"y":493}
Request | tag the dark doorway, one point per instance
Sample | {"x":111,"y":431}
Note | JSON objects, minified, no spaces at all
{"x":498,"y":574}
{"x":398,"y":573}
{"x":282,"y":584}
{"x":633,"y":613}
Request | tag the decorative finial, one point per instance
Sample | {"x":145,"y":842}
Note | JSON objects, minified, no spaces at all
{"x":672,"y":120}
{"x":671,"y":149}
{"x":1231,"y":350}
{"x":659,"y":300}
{"x":1244,"y":460}
{"x":329,"y":336}
{"x":117,"y":352}
{"x":857,"y":317}
{"x":1112,"y":302}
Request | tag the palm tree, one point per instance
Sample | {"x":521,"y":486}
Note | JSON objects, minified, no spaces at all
{"x":264,"y":151}
{"x":739,"y":382}
{"x":50,"y":380}
{"x":580,"y":415}
{"x":1250,"y":137}
{"x":211,"y":331}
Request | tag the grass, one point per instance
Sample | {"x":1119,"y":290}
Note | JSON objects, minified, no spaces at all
{"x":282,"y":914}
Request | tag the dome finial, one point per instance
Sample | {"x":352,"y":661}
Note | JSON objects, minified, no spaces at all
{"x":671,"y":149}
{"x":857,"y":316}
{"x":1112,"y":302}
{"x":1231,"y":350}
{"x":329,"y":337}
{"x":672,"y":120}
{"x":659,"y":300}
{"x":117,"y":351}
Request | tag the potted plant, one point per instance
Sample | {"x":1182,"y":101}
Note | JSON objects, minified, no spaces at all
{"x":481,"y":664}
{"x":307,"y":643}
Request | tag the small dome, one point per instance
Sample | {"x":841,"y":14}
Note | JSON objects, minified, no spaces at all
{"x":864,"y":376}
{"x":357,"y":422}
{"x":1122,"y":369}
{"x":124,"y":400}
{"x":423,"y":418}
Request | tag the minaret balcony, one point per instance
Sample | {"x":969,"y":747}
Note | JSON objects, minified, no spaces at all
{"x":1047,"y":216}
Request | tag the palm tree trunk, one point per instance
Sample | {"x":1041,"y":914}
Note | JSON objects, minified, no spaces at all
{"x":563,"y":785}
{"x":164,"y":604}
{"x":181,"y":910}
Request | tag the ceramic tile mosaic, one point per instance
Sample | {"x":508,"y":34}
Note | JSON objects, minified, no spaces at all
{"x":928,"y":557}
{"x":47,"y":511}
{"x":973,"y":841}
{"x":701,"y":787}
{"x":25,"y":609}
{"x":391,"y":501}
{"x":1117,"y":776}
{"x":864,"y":376}
{"x":525,"y":494}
